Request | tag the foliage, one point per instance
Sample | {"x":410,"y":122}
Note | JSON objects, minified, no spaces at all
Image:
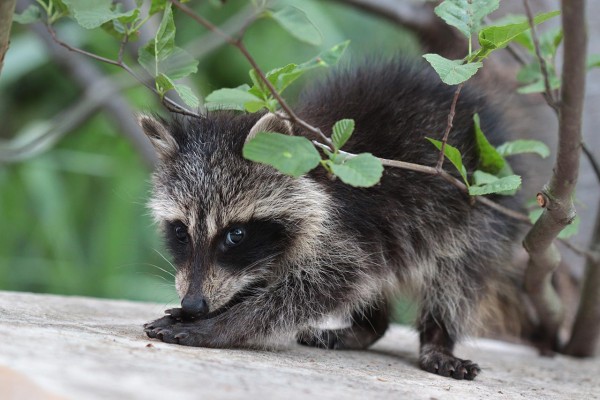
{"x":292,"y":155}
{"x":75,"y":216}
{"x":169,"y":65}
{"x":467,"y":17}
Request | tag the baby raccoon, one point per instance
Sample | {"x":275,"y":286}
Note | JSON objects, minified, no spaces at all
{"x":262,"y":256}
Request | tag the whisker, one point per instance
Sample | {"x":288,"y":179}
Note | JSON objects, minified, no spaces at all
{"x":170,"y":283}
{"x":164,"y":258}
{"x":163,"y":270}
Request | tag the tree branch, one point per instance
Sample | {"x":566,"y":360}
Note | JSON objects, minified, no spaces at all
{"x":99,"y":91}
{"x":559,"y":209}
{"x":7,"y":8}
{"x":549,"y":94}
{"x":167,"y":102}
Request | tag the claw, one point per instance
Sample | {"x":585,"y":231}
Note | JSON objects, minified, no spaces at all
{"x":181,"y":335}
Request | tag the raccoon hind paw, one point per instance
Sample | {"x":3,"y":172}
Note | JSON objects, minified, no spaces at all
{"x":444,"y":364}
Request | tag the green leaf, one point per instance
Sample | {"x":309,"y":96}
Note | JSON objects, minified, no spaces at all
{"x":452,"y":154}
{"x":297,"y":24}
{"x":364,"y":170}
{"x":179,"y":64}
{"x":524,"y":146}
{"x":157,"y":6}
{"x":530,"y":73}
{"x":327,"y":58}
{"x":508,"y":183}
{"x":91,"y":14}
{"x":489,"y":159}
{"x":164,"y":41}
{"x":231,"y":99}
{"x":165,"y":83}
{"x":593,"y":61}
{"x":29,"y":15}
{"x":160,"y":55}
{"x":483,"y":178}
{"x":342,"y":130}
{"x":452,"y":72}
{"x":499,"y":36}
{"x":549,"y":41}
{"x":539,"y":85}
{"x":187,"y":95}
{"x":282,"y":77}
{"x":466,"y":15}
{"x":292,"y":155}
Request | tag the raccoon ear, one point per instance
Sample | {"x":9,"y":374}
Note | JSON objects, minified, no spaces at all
{"x":271,"y":122}
{"x":163,"y":141}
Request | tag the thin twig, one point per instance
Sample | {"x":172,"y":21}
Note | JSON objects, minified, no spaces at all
{"x":449,"y":125}
{"x":171,"y":105}
{"x":444,"y":175}
{"x":122,"y":47}
{"x":549,"y":94}
{"x":240,"y":46}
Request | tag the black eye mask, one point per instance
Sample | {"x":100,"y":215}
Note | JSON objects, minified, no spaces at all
{"x":240,"y":245}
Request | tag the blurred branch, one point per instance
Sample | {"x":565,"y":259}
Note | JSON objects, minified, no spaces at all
{"x":61,"y":125}
{"x":586,"y":329}
{"x":89,"y":78}
{"x":7,"y":8}
{"x":102,"y":91}
{"x":434,"y":34}
{"x":99,"y":92}
{"x":556,"y":197}
{"x":411,"y":16}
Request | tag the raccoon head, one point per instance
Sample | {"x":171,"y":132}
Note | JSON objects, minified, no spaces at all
{"x":232,"y":226}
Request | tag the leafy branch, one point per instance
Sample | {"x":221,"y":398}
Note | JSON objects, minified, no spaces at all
{"x":326,"y":145}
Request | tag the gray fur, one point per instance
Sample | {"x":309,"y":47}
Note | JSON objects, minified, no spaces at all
{"x":339,"y":250}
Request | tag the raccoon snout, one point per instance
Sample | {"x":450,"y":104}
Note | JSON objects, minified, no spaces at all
{"x":194,"y":305}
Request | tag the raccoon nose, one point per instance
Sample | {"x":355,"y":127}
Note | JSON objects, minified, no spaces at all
{"x":194,"y":305}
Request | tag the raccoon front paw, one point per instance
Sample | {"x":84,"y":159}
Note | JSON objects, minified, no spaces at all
{"x":171,"y":330}
{"x":165,"y":321}
{"x":441,"y":363}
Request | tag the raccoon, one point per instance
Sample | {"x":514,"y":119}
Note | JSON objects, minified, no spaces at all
{"x":262,"y":256}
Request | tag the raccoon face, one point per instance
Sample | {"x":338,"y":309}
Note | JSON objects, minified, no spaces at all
{"x":230,"y":225}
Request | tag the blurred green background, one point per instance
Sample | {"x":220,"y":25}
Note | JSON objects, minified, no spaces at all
{"x":73,"y":218}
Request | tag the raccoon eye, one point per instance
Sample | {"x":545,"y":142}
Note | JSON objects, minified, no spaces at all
{"x":234,"y":237}
{"x":181,"y":233}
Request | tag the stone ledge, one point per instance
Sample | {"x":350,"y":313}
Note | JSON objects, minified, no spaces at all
{"x":56,"y":347}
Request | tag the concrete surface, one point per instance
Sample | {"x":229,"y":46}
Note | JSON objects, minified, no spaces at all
{"x":55,"y":347}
